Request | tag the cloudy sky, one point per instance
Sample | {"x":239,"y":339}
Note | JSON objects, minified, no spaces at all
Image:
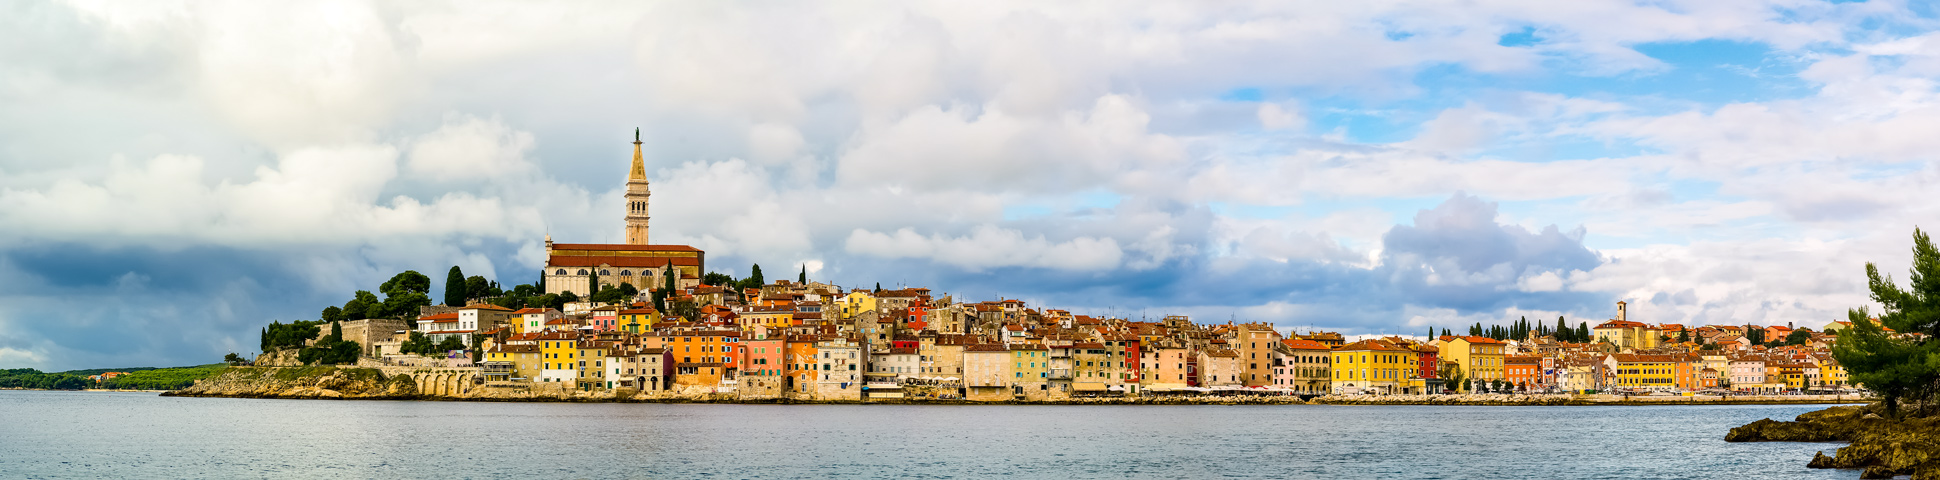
{"x":174,"y":175}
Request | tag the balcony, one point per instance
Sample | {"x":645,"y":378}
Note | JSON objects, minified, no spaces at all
{"x":1060,"y":374}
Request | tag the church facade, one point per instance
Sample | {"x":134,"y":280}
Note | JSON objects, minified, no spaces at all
{"x":576,"y":267}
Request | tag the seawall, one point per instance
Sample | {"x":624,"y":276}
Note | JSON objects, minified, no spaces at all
{"x":447,"y":384}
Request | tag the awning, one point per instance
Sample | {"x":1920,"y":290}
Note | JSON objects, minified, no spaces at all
{"x":1088,"y":387}
{"x":1116,"y":388}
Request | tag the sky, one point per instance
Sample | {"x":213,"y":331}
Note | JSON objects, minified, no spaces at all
{"x":176,"y":174}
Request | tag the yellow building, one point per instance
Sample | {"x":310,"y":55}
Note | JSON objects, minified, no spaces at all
{"x":1031,"y":370}
{"x":1479,"y":357}
{"x":775,"y":319}
{"x":558,"y":357}
{"x":1627,"y":334}
{"x":856,"y":302}
{"x":1373,"y":366}
{"x":592,"y":364}
{"x":1645,"y":372}
{"x":637,"y":320}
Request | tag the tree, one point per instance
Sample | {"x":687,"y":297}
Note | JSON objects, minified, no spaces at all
{"x":1754,"y":334}
{"x":408,"y":282}
{"x":685,"y":308}
{"x":567,"y":297}
{"x":479,"y":287}
{"x":405,"y":304}
{"x":1798,"y":337}
{"x":754,"y":279}
{"x":803,"y":279}
{"x":1896,"y":368}
{"x":233,"y":359}
{"x":361,"y":305}
{"x":1451,"y":373}
{"x":1683,"y":335}
{"x":455,"y":287}
{"x":451,"y":343}
{"x":417,"y":344}
{"x":609,"y":295}
{"x":718,"y":279}
{"x":332,"y":314}
{"x":1583,"y":332}
{"x":627,"y":290}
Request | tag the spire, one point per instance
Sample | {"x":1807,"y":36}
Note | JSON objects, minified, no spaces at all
{"x":639,"y":165}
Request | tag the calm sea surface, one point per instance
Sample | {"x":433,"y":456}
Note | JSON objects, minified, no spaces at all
{"x":124,"y":435}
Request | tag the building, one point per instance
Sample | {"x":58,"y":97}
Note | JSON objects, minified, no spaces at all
{"x":575,"y":267}
{"x":1645,"y":372}
{"x":1307,"y":366}
{"x":1255,"y":343}
{"x":1523,"y":371}
{"x":1479,"y":358}
{"x":1373,"y":366}
{"x":1626,"y":334}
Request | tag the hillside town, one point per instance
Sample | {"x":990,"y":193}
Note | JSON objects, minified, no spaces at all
{"x":813,"y":341}
{"x":645,"y":318}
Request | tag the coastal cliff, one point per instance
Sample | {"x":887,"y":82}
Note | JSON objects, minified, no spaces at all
{"x":302,"y":382}
{"x":1883,"y":447}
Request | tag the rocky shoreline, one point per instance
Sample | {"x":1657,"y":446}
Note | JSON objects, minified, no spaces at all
{"x":1879,"y":445}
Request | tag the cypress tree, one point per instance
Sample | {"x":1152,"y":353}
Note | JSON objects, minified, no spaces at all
{"x":455,"y":288}
{"x":804,"y":278}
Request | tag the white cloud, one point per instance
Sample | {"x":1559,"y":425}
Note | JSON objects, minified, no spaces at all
{"x":988,"y":247}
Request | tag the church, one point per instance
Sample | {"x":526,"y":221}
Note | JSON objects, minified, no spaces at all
{"x":574,"y":267}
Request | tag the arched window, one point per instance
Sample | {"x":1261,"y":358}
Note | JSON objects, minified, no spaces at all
{"x":626,"y":273}
{"x":606,"y":272}
{"x":562,"y":271}
{"x":582,"y":271}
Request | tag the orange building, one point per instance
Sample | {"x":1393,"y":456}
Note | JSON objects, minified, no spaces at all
{"x":798,"y":361}
{"x":719,"y":347}
{"x":1523,"y":371}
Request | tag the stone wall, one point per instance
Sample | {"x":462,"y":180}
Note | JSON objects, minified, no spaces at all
{"x":368,"y":332}
{"x":760,"y":387}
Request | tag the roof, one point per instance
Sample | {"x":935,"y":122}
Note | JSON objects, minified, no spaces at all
{"x":1472,"y":339}
{"x":485,"y":306}
{"x":620,"y":261}
{"x":440,"y":316}
{"x":622,"y":247}
{"x":1620,"y":324}
{"x":1371,"y":345}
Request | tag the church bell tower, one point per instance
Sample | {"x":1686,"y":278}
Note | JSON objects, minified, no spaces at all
{"x":636,"y":197}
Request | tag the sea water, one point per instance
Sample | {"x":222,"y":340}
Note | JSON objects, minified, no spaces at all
{"x":141,"y":435}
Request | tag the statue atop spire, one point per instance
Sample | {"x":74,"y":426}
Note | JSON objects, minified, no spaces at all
{"x":639,"y":172}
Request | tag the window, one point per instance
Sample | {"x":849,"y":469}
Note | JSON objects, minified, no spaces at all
{"x":561,"y":271}
{"x":626,"y":273}
{"x":582,"y":271}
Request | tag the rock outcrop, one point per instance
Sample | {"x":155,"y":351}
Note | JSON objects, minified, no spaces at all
{"x":302,"y":382}
{"x":1881,"y":447}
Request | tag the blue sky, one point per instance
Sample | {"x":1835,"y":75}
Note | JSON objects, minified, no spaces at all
{"x":173,"y":175}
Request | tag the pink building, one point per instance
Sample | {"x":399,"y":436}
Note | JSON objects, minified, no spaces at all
{"x":763,"y":357}
{"x":605,"y":319}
